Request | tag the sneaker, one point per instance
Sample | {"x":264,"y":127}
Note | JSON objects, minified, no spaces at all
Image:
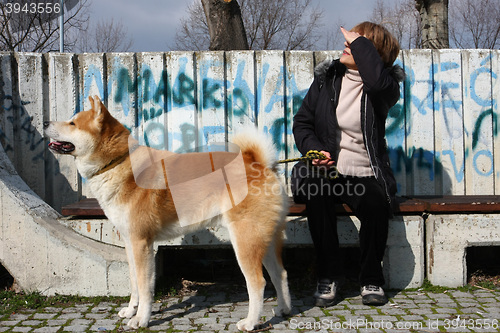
{"x":326,"y":292}
{"x":373,"y":295}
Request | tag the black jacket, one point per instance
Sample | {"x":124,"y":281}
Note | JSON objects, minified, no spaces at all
{"x":314,"y":125}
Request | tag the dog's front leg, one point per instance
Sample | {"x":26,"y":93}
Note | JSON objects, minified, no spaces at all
{"x":131,"y":309}
{"x":143,"y":254}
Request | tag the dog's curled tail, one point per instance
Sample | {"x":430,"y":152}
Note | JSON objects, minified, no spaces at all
{"x":256,"y":146}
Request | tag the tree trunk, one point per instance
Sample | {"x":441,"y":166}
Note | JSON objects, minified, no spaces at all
{"x":225,"y":25}
{"x":434,"y":18}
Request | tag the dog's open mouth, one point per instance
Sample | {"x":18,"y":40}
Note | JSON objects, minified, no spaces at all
{"x":61,"y":147}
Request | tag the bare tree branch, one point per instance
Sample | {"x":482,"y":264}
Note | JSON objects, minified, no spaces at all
{"x":39,"y":31}
{"x":104,"y":36}
{"x":475,"y":23}
{"x":193,"y":32}
{"x":402,"y":19}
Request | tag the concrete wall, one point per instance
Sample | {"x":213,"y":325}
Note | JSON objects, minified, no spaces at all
{"x":442,"y":134}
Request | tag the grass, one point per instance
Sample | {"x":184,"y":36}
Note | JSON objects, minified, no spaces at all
{"x":12,"y":302}
{"x":473,"y":285}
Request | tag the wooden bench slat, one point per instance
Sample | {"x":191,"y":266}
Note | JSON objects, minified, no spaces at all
{"x":406,"y":206}
{"x":84,"y":207}
{"x":461,"y":204}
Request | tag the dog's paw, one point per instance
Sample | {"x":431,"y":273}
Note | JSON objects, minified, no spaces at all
{"x":137,"y":322}
{"x":246,"y":325}
{"x":127,"y":312}
{"x":281,"y":311}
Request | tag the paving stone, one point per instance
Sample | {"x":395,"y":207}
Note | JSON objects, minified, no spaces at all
{"x":412,"y":318}
{"x":47,"y":329}
{"x":160,"y":328}
{"x":96,"y":327}
{"x":395,"y":312}
{"x":483,"y":293}
{"x":225,"y":314}
{"x":181,"y":321}
{"x":471,"y":309}
{"x":438,"y":316}
{"x":366,"y":312}
{"x":19,"y":316}
{"x":71,"y":310}
{"x":76,"y":328}
{"x":87,"y":322}
{"x":72,"y":315}
{"x":461,"y":294}
{"x":212,"y":327}
{"x":56,"y":322}
{"x":384,"y":318}
{"x":97,"y":316}
{"x":184,"y":328}
{"x":447,"y":310}
{"x":420,"y":311}
{"x":340,"y":312}
{"x":488,"y":300}
{"x":44,"y":316}
{"x":239,"y":314}
{"x":101,"y":309}
{"x":31,"y":322}
{"x":468,"y":304}
{"x":314,"y":312}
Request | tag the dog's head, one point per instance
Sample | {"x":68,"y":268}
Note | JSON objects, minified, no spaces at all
{"x":81,"y":134}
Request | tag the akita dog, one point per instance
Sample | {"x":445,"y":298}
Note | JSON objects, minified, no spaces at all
{"x":134,"y":187}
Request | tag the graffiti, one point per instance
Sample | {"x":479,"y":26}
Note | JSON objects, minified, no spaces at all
{"x":170,"y":94}
{"x":477,"y":126}
{"x":459,"y":109}
{"x":22,"y":127}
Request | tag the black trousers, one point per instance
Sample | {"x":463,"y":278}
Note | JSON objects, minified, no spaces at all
{"x":366,"y":197}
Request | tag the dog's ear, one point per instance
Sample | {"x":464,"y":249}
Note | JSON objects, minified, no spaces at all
{"x":101,"y":112}
{"x":97,"y":105}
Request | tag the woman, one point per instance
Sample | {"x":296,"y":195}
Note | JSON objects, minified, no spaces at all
{"x":343,"y":116}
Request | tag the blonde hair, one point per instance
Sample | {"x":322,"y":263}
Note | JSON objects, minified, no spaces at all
{"x":386,"y":44}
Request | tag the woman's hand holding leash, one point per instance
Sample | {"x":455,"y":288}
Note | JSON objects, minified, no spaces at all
{"x":328,"y":162}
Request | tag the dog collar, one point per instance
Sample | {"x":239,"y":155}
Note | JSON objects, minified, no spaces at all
{"x":112,"y":164}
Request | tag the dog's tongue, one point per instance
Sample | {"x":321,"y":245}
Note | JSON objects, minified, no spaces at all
{"x":62,"y":146}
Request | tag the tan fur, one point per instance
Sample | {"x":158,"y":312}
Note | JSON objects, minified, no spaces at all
{"x":144,"y":215}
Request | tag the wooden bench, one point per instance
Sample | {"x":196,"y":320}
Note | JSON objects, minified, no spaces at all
{"x":453,"y":204}
{"x":428,"y":235}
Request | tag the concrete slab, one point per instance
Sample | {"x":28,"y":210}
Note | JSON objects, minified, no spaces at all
{"x":403,"y":263}
{"x":46,"y":256}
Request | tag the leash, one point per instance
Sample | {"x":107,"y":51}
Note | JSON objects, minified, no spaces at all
{"x":313,"y":155}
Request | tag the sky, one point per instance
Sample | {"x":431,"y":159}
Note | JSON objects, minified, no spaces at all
{"x":152,"y":23}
